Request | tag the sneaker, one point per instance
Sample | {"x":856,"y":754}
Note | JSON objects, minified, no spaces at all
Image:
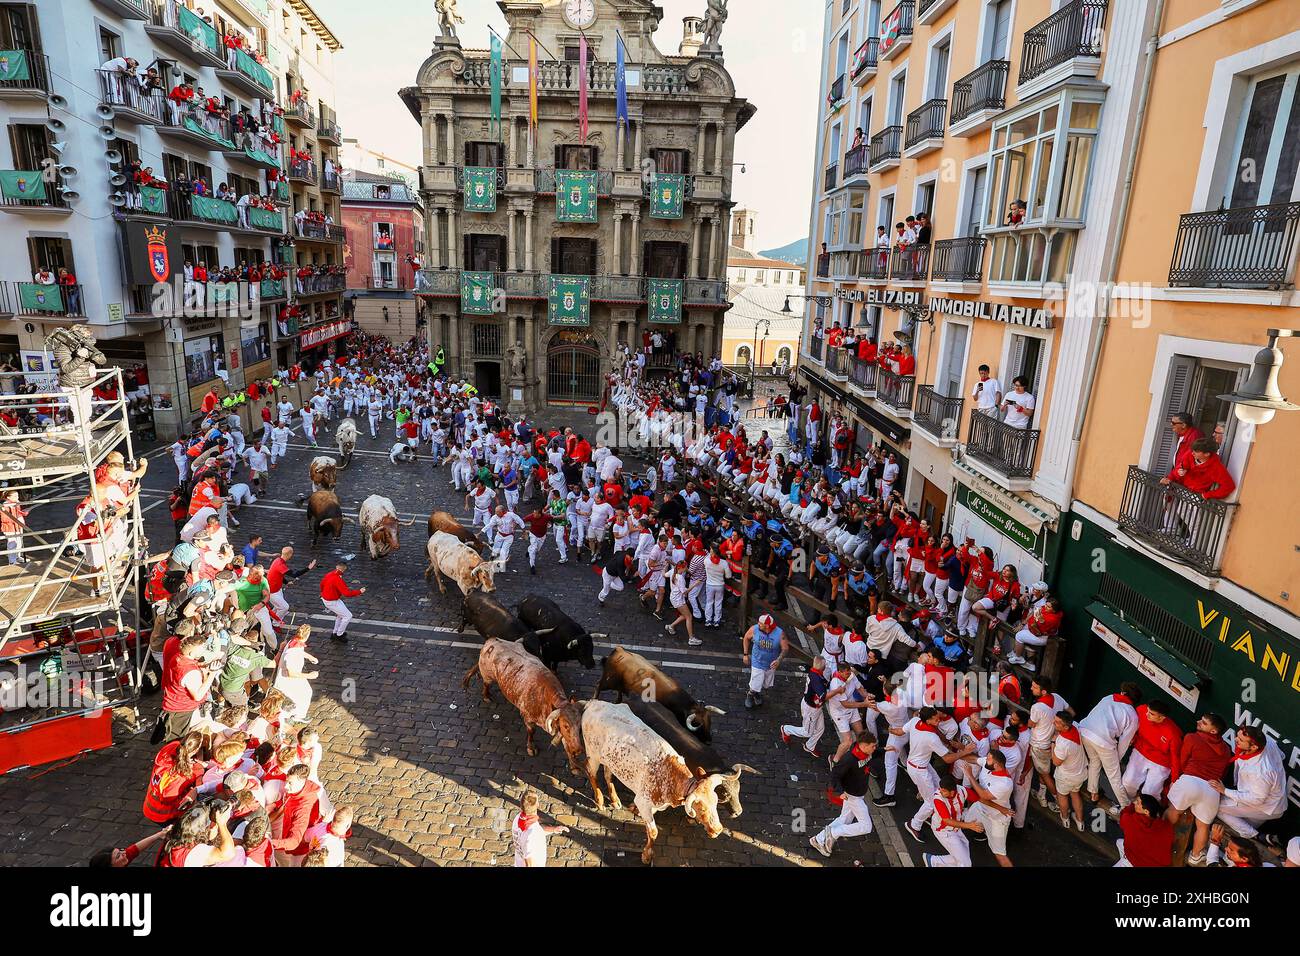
{"x":749,"y":701}
{"x":913,"y":832}
{"x":694,"y":642}
{"x":813,"y":753}
{"x":1113,"y":811}
{"x":925,"y":860}
{"x":1029,"y":666}
{"x":819,"y":846}
{"x":563,"y":561}
{"x":532,"y":569}
{"x":885,"y":800}
{"x":1078,"y":824}
{"x":1053,"y":806}
{"x":1065,"y":822}
{"x":1015,"y":659}
{"x":785,"y":738}
{"x":758,"y":700}
{"x":1042,"y":796}
{"x":600,"y":601}
{"x":1197,"y":859}
{"x":340,"y":638}
{"x":669,"y":629}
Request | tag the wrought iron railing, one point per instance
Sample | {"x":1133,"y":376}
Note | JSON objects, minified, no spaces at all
{"x":24,"y":183}
{"x":815,"y":347}
{"x":1008,"y":450}
{"x":330,"y":180}
{"x":910,"y":263}
{"x":866,"y":57}
{"x":958,"y":260}
{"x":328,"y":129}
{"x":926,"y":122}
{"x":1178,"y":522}
{"x":303,"y":171}
{"x":856,"y":161}
{"x":34,"y":77}
{"x":837,"y":362}
{"x":837,"y":89}
{"x":34,"y":298}
{"x":863,"y":374}
{"x":906,"y":11}
{"x":875,"y":264}
{"x":887,"y":145}
{"x":895,"y":390}
{"x":316,"y":285}
{"x":123,"y":91}
{"x":320,"y":231}
{"x":1075,"y":30}
{"x":936,"y":413}
{"x":832,"y":176}
{"x":824,"y":265}
{"x":984,"y":88}
{"x":300,"y":113}
{"x":1249,"y":247}
{"x":544,"y":181}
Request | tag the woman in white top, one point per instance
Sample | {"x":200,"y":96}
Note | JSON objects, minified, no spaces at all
{"x":290,"y":677}
{"x":1019,"y":405}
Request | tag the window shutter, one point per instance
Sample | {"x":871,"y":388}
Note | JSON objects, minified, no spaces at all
{"x":1014,"y":361}
{"x":1178,"y":388}
{"x":1255,"y":141}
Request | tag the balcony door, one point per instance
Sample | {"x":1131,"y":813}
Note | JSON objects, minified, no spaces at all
{"x":573,"y":257}
{"x":670,"y":160}
{"x":18,"y":28}
{"x":575,"y":157}
{"x":997,"y":30}
{"x":483,"y":154}
{"x":1027,"y":358}
{"x":939,"y":56}
{"x":1193,"y":385}
{"x":1268,"y":143}
{"x":31,"y":145}
{"x":485,"y":253}
{"x":953,"y":363}
{"x":665,"y":260}
{"x":897,"y":92}
{"x":976,"y":188}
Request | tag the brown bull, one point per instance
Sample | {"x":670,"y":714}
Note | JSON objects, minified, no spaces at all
{"x":444,"y":522}
{"x":324,"y":472}
{"x":325,"y":515}
{"x":535,"y":692}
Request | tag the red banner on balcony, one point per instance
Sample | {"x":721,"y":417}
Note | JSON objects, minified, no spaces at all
{"x":320,"y":334}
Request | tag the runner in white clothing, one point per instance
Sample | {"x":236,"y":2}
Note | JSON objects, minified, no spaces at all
{"x":501,"y":529}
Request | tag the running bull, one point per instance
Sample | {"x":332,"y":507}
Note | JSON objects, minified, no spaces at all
{"x":461,"y":563}
{"x":631,"y":674}
{"x":325,"y":515}
{"x":379,"y":524}
{"x":567,"y":641}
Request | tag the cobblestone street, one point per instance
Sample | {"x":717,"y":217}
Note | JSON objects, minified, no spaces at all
{"x":435,"y":772}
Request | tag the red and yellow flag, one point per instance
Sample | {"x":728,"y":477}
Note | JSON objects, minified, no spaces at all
{"x":532,"y":81}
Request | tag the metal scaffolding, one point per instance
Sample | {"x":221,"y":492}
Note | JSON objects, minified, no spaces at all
{"x":70,"y":639}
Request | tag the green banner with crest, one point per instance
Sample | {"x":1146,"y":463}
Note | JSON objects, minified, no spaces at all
{"x":477,"y":289}
{"x":570,"y":300}
{"x":665,"y":300}
{"x":575,"y":195}
{"x":667,"y":195}
{"x":480,"y":189}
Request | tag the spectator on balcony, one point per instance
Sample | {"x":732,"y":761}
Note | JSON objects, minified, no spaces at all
{"x":923,"y":229}
{"x":1018,"y":407}
{"x":44,"y":276}
{"x":1042,"y":623}
{"x":882,"y":248}
{"x":1220,"y":434}
{"x":867,"y":350}
{"x":1016,"y":212}
{"x":835,"y":337}
{"x":1205,"y":473}
{"x":119,"y":74}
{"x":987,"y":393}
{"x":858,"y":138}
{"x":180,"y":102}
{"x":903,"y":362}
{"x":71,"y":292}
{"x":1183,"y":426}
{"x":904,"y":235}
{"x":242,"y":208}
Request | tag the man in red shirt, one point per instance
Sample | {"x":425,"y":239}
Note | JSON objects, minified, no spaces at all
{"x":1204,"y":472}
{"x":185,"y":682}
{"x":1180,"y":423}
{"x":581,"y":451}
{"x":1202,"y":760}
{"x":297,"y":813}
{"x":1148,"y":837}
{"x":1157,"y":748}
{"x":333,"y":589}
{"x":1042,"y":623}
{"x":278,"y":576}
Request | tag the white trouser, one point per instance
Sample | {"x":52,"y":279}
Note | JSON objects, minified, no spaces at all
{"x":374,"y":425}
{"x":812,"y":728}
{"x":609,"y":584}
{"x":1143,"y":776}
{"x":535,"y":543}
{"x":512,"y":499}
{"x":278,"y":602}
{"x":958,"y":847}
{"x":693,"y":599}
{"x":1105,"y":758}
{"x":278,"y":450}
{"x":561,"y":535}
{"x":996,"y":825}
{"x":501,"y":548}
{"x":892,"y":759}
{"x":854,"y":820}
{"x":1123,"y":860}
{"x":342,"y":616}
{"x":1020,"y":795}
{"x":713,"y":603}
{"x":579,"y":537}
{"x":480,"y":518}
{"x":263,"y":618}
{"x":309,"y":432}
{"x":927,"y":782}
{"x":1243,"y":819}
{"x":967,"y":623}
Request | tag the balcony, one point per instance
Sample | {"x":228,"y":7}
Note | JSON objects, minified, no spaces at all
{"x":183,"y":32}
{"x":925,"y":126}
{"x":221,"y":214}
{"x":318,"y":231}
{"x":862,"y":375}
{"x":866,"y":59}
{"x":836,"y":95}
{"x":27,"y":75}
{"x":929,"y":11}
{"x":697,"y":293}
{"x":837,"y":362}
{"x":1068,"y":43}
{"x":894,"y":391}
{"x":303,"y":171}
{"x":26,"y":191}
{"x":938,"y":416}
{"x":875,"y":265}
{"x":207,"y":131}
{"x":824,"y":265}
{"x":330,"y":182}
{"x":978,"y":97}
{"x":896,"y":30}
{"x":1251,"y":247}
{"x":911,"y":264}
{"x":846,"y":264}
{"x":856,"y":161}
{"x":544,"y":182}
{"x":958,"y":260}
{"x":561,"y":76}
{"x":320,"y":285}
{"x":831,"y":178}
{"x":1006,"y":451}
{"x":383,"y":284}
{"x":886,"y":149}
{"x":123,"y":95}
{"x":35,"y":299}
{"x":1175,"y":521}
{"x":329,"y":131}
{"x":127,"y":9}
{"x":815,"y":346}
{"x":247,"y":75}
{"x":300,"y":114}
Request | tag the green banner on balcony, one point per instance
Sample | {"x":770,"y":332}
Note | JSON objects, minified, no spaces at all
{"x":22,"y":184}
{"x":477,"y":289}
{"x":265,"y":219}
{"x":198,"y":29}
{"x":575,"y":196}
{"x":271,"y":289}
{"x":667,"y":194}
{"x":40,"y":298}
{"x":214,"y":210}
{"x":282,"y":190}
{"x":570,"y":300}
{"x":153,"y":201}
{"x":223,"y":293}
{"x":262,"y":156}
{"x":480,"y":189}
{"x":195,"y":127}
{"x":14,"y":65}
{"x":665,"y":299}
{"x":259,"y":74}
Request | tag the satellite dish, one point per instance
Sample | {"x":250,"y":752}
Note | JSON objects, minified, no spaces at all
{"x":113,"y":156}
{"x":55,"y":125}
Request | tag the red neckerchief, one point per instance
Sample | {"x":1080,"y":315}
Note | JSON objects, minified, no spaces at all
{"x":1000,"y":773}
{"x":1237,"y":755}
{"x":855,"y":637}
{"x":1070,"y":733}
{"x":526,"y":820}
{"x":1049,"y":700}
{"x":1121,"y":699}
{"x":857,"y":752}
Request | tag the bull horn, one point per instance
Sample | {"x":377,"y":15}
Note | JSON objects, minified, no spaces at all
{"x":573,"y":643}
{"x":407,"y":524}
{"x":549,"y":723}
{"x":544,"y":631}
{"x":347,"y":518}
{"x":691,"y":723}
{"x":736,"y":769}
{"x":715,"y":710}
{"x":598,"y":634}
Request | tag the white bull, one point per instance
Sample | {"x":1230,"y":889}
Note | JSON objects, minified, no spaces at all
{"x":346,"y":436}
{"x":621,"y":743}
{"x":379,"y":524}
{"x":448,"y":556}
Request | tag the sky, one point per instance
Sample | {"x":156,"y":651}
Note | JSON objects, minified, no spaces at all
{"x":771,"y":49}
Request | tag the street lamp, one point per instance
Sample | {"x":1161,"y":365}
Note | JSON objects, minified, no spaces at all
{"x":1259,"y":399}
{"x":767,"y":330}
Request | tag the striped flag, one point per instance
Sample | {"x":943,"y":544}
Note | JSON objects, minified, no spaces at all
{"x":582,"y":90}
{"x":532,"y":81}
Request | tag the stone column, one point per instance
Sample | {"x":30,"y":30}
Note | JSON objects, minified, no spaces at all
{"x":717,"y":150}
{"x":636,"y":160}
{"x":693,"y":261}
{"x":618,"y":245}
{"x":709,"y":270}
{"x":701,"y":139}
{"x":636,"y":243}
{"x":618,"y":146}
{"x":454,"y":352}
{"x":451,"y":140}
{"x":428,"y":129}
{"x":433,"y":226}
{"x":453,"y":240}
{"x":530,"y":264}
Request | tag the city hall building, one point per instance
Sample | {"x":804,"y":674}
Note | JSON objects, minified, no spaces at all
{"x":573,"y":245}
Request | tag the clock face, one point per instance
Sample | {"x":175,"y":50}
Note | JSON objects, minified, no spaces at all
{"x":580,"y":13}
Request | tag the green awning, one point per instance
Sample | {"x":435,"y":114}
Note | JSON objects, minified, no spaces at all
{"x":1168,"y":662}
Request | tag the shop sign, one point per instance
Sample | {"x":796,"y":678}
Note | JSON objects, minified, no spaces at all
{"x":997,"y":519}
{"x":993,"y":312}
{"x":1187,"y":696}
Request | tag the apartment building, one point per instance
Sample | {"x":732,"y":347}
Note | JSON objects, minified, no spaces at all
{"x":77,"y":133}
{"x":384,"y":221}
{"x":589,"y":241}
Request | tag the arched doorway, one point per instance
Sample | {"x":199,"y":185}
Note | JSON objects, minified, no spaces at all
{"x":572,"y":372}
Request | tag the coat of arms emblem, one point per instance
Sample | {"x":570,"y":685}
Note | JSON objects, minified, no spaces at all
{"x":156,"y":246}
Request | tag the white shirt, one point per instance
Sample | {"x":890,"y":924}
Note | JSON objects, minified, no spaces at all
{"x":320,"y":835}
{"x":1111,"y":723}
{"x":1261,"y":782}
{"x":1074,"y":761}
{"x":1040,"y":715}
{"x":923,"y":741}
{"x":601,"y":514}
{"x":999,"y":785}
{"x":610,"y":465}
{"x":1016,"y":418}
{"x":986,"y":393}
{"x":257,"y":457}
{"x":529,"y":844}
{"x":505,"y":525}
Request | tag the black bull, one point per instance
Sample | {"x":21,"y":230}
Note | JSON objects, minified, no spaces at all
{"x":567,"y":641}
{"x":491,"y":618}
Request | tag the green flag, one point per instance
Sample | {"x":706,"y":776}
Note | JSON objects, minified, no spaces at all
{"x":265,"y":219}
{"x":476,"y":293}
{"x":194,"y":127}
{"x":197,"y":29}
{"x":480,"y":184}
{"x":40,"y":298}
{"x":271,"y":289}
{"x":14,"y":65}
{"x":496,"y":68}
{"x":575,"y":195}
{"x":259,"y":74}
{"x":665,"y":300}
{"x":213,"y":210}
{"x":570,"y":300}
{"x":153,"y":200}
{"x":667,"y":190}
{"x":22,"y":184}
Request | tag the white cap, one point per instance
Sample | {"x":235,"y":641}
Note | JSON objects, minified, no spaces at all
{"x":1293,"y":851}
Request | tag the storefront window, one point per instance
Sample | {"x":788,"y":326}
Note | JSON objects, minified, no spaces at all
{"x":254,"y":344}
{"x":202,"y":358}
